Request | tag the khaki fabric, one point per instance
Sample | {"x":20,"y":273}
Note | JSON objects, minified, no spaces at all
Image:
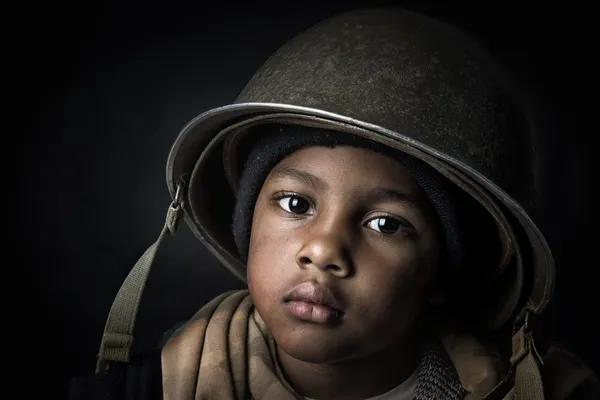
{"x":225,"y":352}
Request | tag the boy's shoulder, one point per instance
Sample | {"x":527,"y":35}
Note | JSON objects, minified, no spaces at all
{"x":566,"y":376}
{"x":486,"y":374}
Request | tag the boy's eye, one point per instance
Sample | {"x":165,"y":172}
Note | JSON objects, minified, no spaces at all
{"x":294,"y":204}
{"x":385,"y":225}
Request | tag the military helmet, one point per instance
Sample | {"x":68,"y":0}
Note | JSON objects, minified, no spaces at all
{"x":402,"y":79}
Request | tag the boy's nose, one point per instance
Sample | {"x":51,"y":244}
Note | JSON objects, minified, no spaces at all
{"x":327,"y":253}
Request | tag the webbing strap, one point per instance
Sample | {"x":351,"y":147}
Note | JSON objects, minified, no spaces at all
{"x":526,"y":361}
{"x":118,"y":331}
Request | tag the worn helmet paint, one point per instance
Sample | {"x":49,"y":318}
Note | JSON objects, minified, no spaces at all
{"x":407,"y":81}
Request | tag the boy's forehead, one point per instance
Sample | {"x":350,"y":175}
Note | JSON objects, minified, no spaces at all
{"x":322,"y":166}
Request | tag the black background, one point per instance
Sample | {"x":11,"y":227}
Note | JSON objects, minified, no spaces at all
{"x":106,"y":87}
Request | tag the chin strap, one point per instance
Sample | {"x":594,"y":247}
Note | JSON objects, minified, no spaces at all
{"x":526,"y":363}
{"x":118,"y":331}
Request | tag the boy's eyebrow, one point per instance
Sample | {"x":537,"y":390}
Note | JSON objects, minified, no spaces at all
{"x":386,"y":194}
{"x":378,"y":194}
{"x":302,"y":176}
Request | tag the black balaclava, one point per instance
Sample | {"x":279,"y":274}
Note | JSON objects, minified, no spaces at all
{"x":455,"y":209}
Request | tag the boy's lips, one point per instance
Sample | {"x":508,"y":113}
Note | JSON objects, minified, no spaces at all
{"x":312,"y":302}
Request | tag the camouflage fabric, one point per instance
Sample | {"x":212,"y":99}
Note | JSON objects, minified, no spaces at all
{"x":226,"y":352}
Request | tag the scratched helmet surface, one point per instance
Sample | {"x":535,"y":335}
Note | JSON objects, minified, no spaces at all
{"x":407,"y":81}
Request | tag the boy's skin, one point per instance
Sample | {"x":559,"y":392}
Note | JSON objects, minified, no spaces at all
{"x":328,"y":230}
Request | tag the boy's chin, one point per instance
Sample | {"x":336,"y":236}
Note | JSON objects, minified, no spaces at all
{"x":315,"y":350}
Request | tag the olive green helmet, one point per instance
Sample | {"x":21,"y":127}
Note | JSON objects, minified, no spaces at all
{"x":399,"y":78}
{"x":395,"y":77}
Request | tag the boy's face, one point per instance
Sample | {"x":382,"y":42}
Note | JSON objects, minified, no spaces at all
{"x":343,"y":253}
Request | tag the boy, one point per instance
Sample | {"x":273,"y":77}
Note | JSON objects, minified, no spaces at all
{"x":378,"y":171}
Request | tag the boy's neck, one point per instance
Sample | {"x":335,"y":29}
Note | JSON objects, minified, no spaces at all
{"x":355,"y":379}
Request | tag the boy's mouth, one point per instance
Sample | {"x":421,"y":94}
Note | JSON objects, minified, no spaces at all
{"x":312,"y":302}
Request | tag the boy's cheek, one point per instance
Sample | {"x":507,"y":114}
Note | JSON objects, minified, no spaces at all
{"x":270,"y":247}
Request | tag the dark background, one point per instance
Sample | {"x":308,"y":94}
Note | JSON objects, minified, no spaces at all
{"x":106,"y":87}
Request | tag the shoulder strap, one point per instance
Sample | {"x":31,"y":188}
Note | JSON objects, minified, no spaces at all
{"x":524,"y":379}
{"x":526,"y":362}
{"x":117,"y":338}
